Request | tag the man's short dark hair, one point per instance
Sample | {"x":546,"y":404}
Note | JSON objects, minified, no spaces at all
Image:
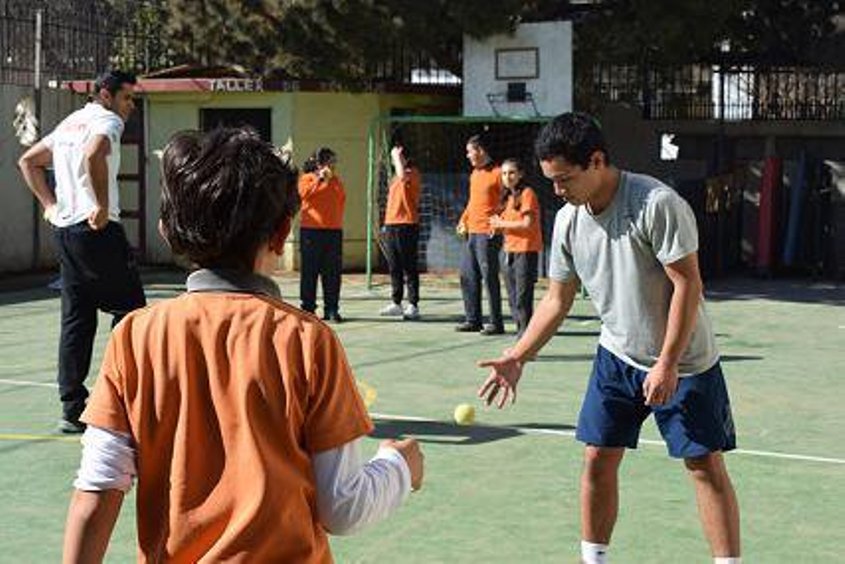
{"x":224,"y":194}
{"x":113,"y":81}
{"x":574,"y":136}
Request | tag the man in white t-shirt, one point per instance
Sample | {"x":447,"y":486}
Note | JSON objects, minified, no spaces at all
{"x":632,"y":242}
{"x":97,"y":266}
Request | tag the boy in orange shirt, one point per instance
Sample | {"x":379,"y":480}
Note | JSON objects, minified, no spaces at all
{"x":401,"y":234}
{"x":237,"y":413}
{"x":520,"y":222}
{"x":480,"y":258}
{"x":321,"y":233}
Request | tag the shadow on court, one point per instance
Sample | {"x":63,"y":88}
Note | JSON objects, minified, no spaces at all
{"x":10,"y":297}
{"x":414,"y":355}
{"x":582,"y":318}
{"x":385,"y":300}
{"x":38,"y":286}
{"x":564,"y":358}
{"x":440,"y":432}
{"x":782,"y":290}
{"x":426,"y":318}
{"x":547,"y":426}
{"x":567,"y":333}
{"x":589,"y":357}
{"x":739,"y":357}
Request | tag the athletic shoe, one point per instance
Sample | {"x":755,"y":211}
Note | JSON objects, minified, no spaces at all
{"x":334,"y":317}
{"x":490,"y":329}
{"x":411,"y":313}
{"x":392,"y":310}
{"x":467,"y":327}
{"x":69,"y":427}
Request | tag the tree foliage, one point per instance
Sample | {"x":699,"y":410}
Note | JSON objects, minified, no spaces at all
{"x":665,"y":32}
{"x":342,"y":39}
{"x":326,"y":38}
{"x":788,"y":31}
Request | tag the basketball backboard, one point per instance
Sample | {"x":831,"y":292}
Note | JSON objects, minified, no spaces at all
{"x":524,"y":74}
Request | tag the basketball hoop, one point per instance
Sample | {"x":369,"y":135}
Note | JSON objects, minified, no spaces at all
{"x":515,"y":95}
{"x":524,"y":74}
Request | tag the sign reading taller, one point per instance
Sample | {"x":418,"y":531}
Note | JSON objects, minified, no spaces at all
{"x":524,"y":74}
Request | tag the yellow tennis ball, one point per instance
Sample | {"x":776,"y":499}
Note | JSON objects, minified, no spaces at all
{"x":464,"y":414}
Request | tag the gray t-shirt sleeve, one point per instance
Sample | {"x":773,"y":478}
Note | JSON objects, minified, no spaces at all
{"x":561,"y":265}
{"x":671,"y":227}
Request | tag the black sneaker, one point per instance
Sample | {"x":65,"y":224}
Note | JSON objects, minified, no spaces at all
{"x":467,"y":327}
{"x":490,"y":329}
{"x":70,"y":427}
{"x":334,"y":317}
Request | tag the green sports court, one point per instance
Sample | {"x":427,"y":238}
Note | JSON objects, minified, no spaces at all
{"x":738,"y":106}
{"x":505,"y":489}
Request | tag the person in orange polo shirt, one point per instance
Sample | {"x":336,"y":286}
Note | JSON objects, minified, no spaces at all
{"x":401,"y":233}
{"x":480,"y":259}
{"x":237,"y":413}
{"x":520,"y":222}
{"x":321,"y":233}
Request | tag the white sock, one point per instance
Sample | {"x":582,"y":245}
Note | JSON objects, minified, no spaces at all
{"x":593,"y":553}
{"x":727,"y":560}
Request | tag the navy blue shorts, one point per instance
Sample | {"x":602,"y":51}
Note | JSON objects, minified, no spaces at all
{"x":696,"y":422}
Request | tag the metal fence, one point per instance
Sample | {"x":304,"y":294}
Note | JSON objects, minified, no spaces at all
{"x":704,"y":92}
{"x":82,"y":37}
{"x":78,"y":39}
{"x":401,"y":64}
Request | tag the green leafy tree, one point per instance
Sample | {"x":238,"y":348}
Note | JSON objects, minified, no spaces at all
{"x":783,"y":32}
{"x":346,"y":39}
{"x":665,"y":32}
{"x":335,"y":39}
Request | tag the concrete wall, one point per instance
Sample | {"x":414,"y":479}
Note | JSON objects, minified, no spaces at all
{"x":173,"y":112}
{"x":340,"y":121}
{"x":552,"y":90}
{"x":310,"y":119}
{"x":16,"y":201}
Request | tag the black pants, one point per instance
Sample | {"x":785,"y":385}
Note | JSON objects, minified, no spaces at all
{"x":480,"y":263}
{"x":322,"y":256}
{"x":520,"y":277}
{"x":399,"y":243}
{"x":98,"y":272}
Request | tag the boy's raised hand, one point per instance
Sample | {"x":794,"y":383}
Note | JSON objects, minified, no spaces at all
{"x":505,"y":372}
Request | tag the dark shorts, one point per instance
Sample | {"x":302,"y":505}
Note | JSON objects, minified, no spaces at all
{"x":696,"y":422}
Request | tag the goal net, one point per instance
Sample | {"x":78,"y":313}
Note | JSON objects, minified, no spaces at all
{"x":438,"y":147}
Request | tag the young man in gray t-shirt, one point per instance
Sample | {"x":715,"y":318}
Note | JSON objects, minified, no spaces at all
{"x":632,"y":242}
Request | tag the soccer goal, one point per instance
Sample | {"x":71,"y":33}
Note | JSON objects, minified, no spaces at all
{"x":438,"y":146}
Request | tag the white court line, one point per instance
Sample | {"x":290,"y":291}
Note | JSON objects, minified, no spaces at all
{"x":27,"y":383}
{"x":538,"y":431}
{"x":571,"y":433}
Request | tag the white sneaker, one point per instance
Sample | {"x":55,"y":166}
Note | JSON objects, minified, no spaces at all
{"x":391,"y":310}
{"x":411,"y":312}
